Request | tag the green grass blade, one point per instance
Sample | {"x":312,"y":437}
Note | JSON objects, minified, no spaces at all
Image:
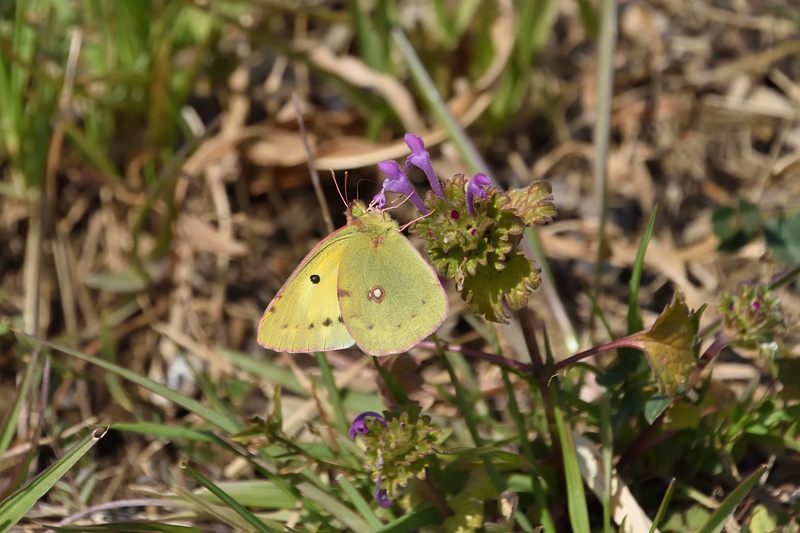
{"x":108,"y":351}
{"x":132,"y":527}
{"x":545,"y":518}
{"x":476,"y":163}
{"x":443,"y":115}
{"x":334,"y":507}
{"x":371,"y":43}
{"x":164,"y":431}
{"x":13,"y":508}
{"x":94,"y":154}
{"x":393,"y":386}
{"x":662,"y":508}
{"x":254,"y":493}
{"x":334,"y":396}
{"x":536,"y":23}
{"x":716,"y":521}
{"x":634,"y":316}
{"x":220,"y":512}
{"x":361,"y":505}
{"x":601,"y":135}
{"x":471,"y":420}
{"x":204,"y":412}
{"x":576,"y":496}
{"x":207,"y":388}
{"x":224,"y":497}
{"x":606,"y":439}
{"x":10,"y":421}
{"x":414,"y":521}
{"x":265,"y":370}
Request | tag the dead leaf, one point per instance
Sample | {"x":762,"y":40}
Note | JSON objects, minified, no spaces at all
{"x":201,"y":236}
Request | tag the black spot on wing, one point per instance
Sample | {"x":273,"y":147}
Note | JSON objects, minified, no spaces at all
{"x":341,"y":320}
{"x":327,"y":322}
{"x":311,"y":326}
{"x":314,"y":278}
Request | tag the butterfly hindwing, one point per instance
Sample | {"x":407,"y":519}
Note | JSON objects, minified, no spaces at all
{"x":390,"y":297}
{"x":304,"y":316}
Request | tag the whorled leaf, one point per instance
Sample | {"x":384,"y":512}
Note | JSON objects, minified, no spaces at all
{"x":670,"y":345}
{"x":534,"y":203}
{"x":485,"y":290}
{"x":479,"y":247}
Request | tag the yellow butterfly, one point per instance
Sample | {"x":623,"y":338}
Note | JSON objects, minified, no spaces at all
{"x":364,"y":284}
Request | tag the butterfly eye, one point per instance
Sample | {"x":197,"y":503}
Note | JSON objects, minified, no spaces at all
{"x":314,"y":279}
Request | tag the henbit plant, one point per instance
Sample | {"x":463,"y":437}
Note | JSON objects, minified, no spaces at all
{"x":419,"y":464}
{"x":472,"y":230}
{"x":510,"y":460}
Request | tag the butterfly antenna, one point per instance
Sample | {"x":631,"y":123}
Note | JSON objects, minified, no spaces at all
{"x":407,"y":224}
{"x":358,"y":185}
{"x":346,"y":176}
{"x":338,"y":190}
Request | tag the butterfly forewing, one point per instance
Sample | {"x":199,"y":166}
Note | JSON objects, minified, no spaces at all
{"x":304,"y":316}
{"x":390,"y":297}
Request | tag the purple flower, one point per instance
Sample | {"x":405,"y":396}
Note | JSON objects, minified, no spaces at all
{"x":359,"y":425}
{"x":397,"y":181}
{"x":476,"y":188}
{"x":421,"y":159}
{"x":381,"y":495}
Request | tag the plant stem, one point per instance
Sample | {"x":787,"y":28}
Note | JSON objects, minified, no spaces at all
{"x":605,"y":77}
{"x":477,"y":164}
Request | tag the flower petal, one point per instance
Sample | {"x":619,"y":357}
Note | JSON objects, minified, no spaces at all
{"x":476,"y":188}
{"x":421,"y":159}
{"x":359,"y":425}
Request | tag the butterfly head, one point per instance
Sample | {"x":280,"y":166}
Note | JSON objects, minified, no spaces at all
{"x":372,"y":216}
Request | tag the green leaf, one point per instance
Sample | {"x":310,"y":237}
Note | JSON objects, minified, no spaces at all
{"x":736,"y":226}
{"x":783,"y":238}
{"x":654,"y":406}
{"x":716,"y":521}
{"x":13,"y":508}
{"x":762,"y":520}
{"x":669,"y":345}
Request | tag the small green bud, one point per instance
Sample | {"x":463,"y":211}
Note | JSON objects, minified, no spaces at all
{"x":753,"y":317}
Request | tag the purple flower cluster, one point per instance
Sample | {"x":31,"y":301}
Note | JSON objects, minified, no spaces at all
{"x":397,"y":179}
{"x":359,"y":427}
